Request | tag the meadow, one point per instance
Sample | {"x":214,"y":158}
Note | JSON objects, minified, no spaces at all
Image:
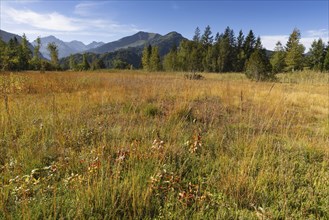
{"x":136,"y":145}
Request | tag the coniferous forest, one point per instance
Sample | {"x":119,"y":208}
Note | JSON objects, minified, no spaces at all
{"x":206,"y":52}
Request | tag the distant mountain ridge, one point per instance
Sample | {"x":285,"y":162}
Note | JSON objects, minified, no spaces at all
{"x":139,"y":40}
{"x":128,"y":49}
{"x":65,"y":48}
{"x":6,"y":36}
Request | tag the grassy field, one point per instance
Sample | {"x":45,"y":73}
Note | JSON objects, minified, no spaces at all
{"x":134,"y":145}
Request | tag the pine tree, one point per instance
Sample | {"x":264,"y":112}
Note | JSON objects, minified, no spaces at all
{"x":53,"y":50}
{"x":249,"y":44}
{"x":155,"y":62}
{"x":36,"y":61}
{"x":85,"y":64}
{"x":295,"y":50}
{"x":224,"y":55}
{"x":240,"y":55}
{"x":72,"y":63}
{"x":197,"y":35}
{"x":170,"y":61}
{"x":317,"y":55}
{"x":24,"y":54}
{"x":11,"y":54}
{"x":278,"y":58}
{"x":3,"y":48}
{"x":326,"y":59}
{"x":146,"y":55}
{"x":207,"y":38}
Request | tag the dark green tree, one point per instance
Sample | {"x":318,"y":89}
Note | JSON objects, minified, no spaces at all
{"x":317,"y":55}
{"x":170,"y":61}
{"x":240,"y":55}
{"x":146,"y":55}
{"x":85,"y":64}
{"x":326,"y":59}
{"x":207,"y":38}
{"x":24,"y":54}
{"x":295,"y":51}
{"x":258,"y":67}
{"x":53,"y":51}
{"x":155,"y":62}
{"x":278,"y":58}
{"x":36,"y":60}
{"x":249,"y":44}
{"x":72,"y":63}
{"x":197,"y":35}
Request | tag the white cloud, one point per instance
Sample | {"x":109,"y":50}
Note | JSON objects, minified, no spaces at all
{"x":52,"y":21}
{"x":321,"y":33}
{"x":87,"y":8}
{"x":77,"y":27}
{"x":269,"y":41}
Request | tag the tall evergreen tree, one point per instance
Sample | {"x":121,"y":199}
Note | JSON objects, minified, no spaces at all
{"x":326,"y":59}
{"x":295,"y":50}
{"x":317,"y":55}
{"x":249,"y":44}
{"x":53,"y":50}
{"x":24,"y":54}
{"x":224,"y":55}
{"x":72,"y":63}
{"x":197,"y":35}
{"x":11,"y":54}
{"x":240,"y":55}
{"x":170,"y":61}
{"x":3,"y":48}
{"x":146,"y":55}
{"x":155,"y":62}
{"x":278,"y":58}
{"x":36,"y":61}
{"x":85,"y":64}
{"x":207,"y":38}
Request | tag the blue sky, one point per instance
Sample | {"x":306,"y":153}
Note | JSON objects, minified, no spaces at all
{"x":111,"y":20}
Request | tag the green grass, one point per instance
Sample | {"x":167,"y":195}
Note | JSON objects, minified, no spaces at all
{"x":136,"y":145}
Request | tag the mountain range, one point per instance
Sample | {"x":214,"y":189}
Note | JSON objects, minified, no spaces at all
{"x":65,"y":48}
{"x":6,"y":36}
{"x":128,"y":49}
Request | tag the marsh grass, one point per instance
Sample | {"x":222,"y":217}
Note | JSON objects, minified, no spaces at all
{"x":137,"y":145}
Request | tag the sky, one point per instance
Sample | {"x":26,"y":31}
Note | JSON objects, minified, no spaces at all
{"x":108,"y":21}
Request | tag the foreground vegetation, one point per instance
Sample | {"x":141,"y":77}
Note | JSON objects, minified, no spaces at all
{"x":137,"y":145}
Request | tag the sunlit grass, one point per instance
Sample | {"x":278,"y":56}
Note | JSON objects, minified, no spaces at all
{"x":154,"y":145}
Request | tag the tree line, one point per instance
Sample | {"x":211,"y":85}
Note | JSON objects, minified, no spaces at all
{"x":223,"y":52}
{"x":227,"y":53}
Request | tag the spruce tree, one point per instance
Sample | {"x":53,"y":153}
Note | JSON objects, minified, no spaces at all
{"x":85,"y":64}
{"x":146,"y":55}
{"x":36,"y":61}
{"x":278,"y":58}
{"x":197,"y":35}
{"x":207,"y":38}
{"x":326,"y":59}
{"x":53,"y":50}
{"x":317,"y":55}
{"x":249,"y":44}
{"x":295,"y":50}
{"x":24,"y":54}
{"x":72,"y":63}
{"x":155,"y":62}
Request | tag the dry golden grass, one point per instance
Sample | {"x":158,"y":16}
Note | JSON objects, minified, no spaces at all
{"x":131,"y":144}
